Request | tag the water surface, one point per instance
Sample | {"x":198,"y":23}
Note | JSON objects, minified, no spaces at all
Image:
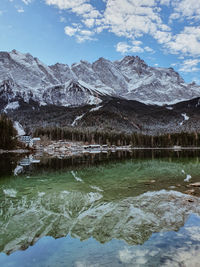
{"x":118,"y":209}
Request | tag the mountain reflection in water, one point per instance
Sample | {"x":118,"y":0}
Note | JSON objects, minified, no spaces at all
{"x":130,"y":206}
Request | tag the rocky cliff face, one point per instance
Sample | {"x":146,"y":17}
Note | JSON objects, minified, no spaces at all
{"x":23,"y":77}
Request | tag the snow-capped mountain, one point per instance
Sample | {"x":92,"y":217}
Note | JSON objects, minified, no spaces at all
{"x":154,"y":85}
{"x":24,"y":77}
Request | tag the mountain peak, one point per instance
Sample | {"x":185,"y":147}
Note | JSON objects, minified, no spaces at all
{"x":131,"y":61}
{"x":86,"y":62}
{"x":130,"y":78}
{"x":102,"y":60}
{"x":14,"y":51}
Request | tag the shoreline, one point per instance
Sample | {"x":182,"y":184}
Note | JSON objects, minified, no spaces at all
{"x":64,"y":148}
{"x":61,"y":149}
{"x":17,"y":151}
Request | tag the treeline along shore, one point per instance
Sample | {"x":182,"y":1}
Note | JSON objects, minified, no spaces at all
{"x":8,"y":136}
{"x":7,"y":133}
{"x":119,"y":138}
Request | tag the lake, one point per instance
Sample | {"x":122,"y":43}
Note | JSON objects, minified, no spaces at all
{"x":109,"y":209}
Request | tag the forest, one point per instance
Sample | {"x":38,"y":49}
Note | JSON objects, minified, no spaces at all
{"x":119,"y":138}
{"x":8,"y":133}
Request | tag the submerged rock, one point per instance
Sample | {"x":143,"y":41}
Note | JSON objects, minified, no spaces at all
{"x":195,"y":184}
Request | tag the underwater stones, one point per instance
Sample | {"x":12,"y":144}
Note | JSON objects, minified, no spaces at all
{"x":195,"y":184}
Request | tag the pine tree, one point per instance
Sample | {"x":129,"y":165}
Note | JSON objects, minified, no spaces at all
{"x":7,"y":133}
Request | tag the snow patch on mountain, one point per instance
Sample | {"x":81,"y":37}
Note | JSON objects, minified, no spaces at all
{"x":12,"y":105}
{"x":96,"y":108}
{"x":169,"y":108}
{"x":25,"y":77}
{"x":19,"y":128}
{"x":74,"y":123}
{"x":186,"y":118}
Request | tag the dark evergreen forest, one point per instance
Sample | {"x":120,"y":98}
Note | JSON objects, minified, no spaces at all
{"x":119,"y":138}
{"x":7,"y":133}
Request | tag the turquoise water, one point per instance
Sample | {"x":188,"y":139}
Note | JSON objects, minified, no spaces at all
{"x":125,"y":209}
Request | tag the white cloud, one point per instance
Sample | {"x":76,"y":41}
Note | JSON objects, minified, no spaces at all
{"x":190,"y":9}
{"x":165,"y":2}
{"x":173,"y":16}
{"x":92,"y":14}
{"x":133,"y":19}
{"x":66,"y":4}
{"x":83,"y":38}
{"x":89,"y":22}
{"x":123,"y":47}
{"x":186,"y":42}
{"x":26,"y":2}
{"x":125,"y":18}
{"x":86,"y":32}
{"x":70,"y":30}
{"x":190,"y":65}
{"x":149,"y":49}
{"x":80,"y":34}
{"x":83,"y":9}
{"x":79,"y":7}
{"x":135,"y":42}
{"x":20,"y":10}
{"x":62,"y":19}
{"x":162,"y":37}
{"x":136,"y":49}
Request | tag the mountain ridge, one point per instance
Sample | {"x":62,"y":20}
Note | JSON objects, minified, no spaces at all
{"x":25,"y":77}
{"x":124,"y":96}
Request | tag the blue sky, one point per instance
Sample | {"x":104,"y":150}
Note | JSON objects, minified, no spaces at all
{"x":164,"y":33}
